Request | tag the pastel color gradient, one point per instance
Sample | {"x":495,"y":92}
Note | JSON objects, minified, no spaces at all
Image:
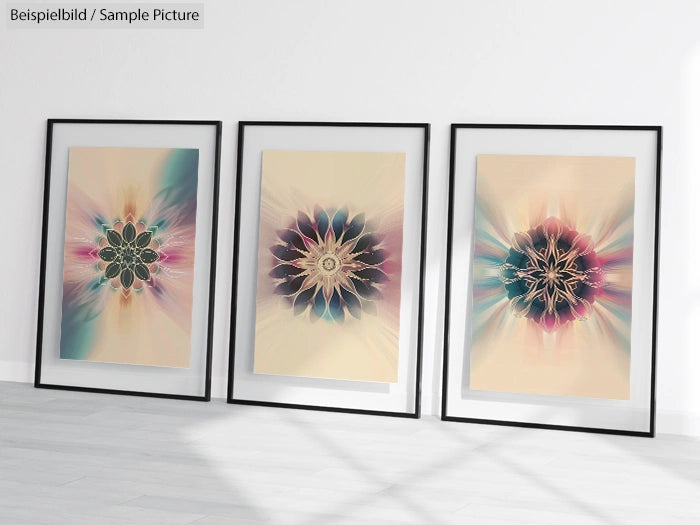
{"x":111,"y":190}
{"x":552,"y":275}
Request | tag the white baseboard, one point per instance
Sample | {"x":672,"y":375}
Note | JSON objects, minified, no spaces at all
{"x":430,"y":404}
{"x":677,"y":422}
{"x":667,"y":421}
{"x":219,"y":386}
{"x":16,"y":371}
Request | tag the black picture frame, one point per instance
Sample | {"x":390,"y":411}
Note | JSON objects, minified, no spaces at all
{"x":507,"y":139}
{"x":157,"y":133}
{"x":288,"y":128}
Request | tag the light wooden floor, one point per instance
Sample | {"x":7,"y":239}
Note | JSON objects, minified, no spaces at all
{"x":77,"y":458}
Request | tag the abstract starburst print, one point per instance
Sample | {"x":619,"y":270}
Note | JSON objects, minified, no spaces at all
{"x":329,"y":265}
{"x":129,"y":255}
{"x":328,"y":293}
{"x":552,"y":275}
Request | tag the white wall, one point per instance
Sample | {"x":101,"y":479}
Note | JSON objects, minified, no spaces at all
{"x":507,"y":61}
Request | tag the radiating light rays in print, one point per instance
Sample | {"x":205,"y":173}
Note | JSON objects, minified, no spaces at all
{"x":329,"y":267}
{"x":612,"y":238}
{"x":330,"y":263}
{"x":122,"y":201}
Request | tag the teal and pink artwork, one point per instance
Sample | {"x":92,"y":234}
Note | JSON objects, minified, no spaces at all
{"x":129,"y":255}
{"x":552,"y":288}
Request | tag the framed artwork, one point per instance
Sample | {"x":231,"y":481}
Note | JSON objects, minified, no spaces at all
{"x":128,"y":257}
{"x":329,"y":256}
{"x":551,"y":277}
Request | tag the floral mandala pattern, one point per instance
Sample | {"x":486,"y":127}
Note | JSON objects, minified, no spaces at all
{"x":552,"y":274}
{"x":127,"y":254}
{"x":330,"y":264}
